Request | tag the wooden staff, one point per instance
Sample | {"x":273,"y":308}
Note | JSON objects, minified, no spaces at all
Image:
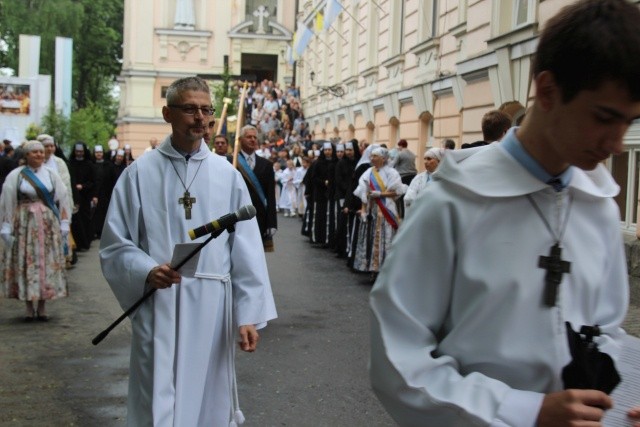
{"x":239,"y":125}
{"x":223,"y":116}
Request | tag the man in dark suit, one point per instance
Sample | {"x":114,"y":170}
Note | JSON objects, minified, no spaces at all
{"x":259,"y":177}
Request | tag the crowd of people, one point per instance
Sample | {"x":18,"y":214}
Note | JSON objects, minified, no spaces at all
{"x":472,"y":323}
{"x":351,"y":196}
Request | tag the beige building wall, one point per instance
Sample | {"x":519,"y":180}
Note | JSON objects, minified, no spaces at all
{"x":159,"y":48}
{"x":427,"y":70}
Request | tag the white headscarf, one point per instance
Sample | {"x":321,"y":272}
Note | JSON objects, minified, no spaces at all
{"x":434,"y":153}
{"x":32,"y":145}
{"x":380,"y":151}
{"x":366,"y":156}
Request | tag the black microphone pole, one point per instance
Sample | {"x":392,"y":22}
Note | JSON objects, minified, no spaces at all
{"x":102,"y":335}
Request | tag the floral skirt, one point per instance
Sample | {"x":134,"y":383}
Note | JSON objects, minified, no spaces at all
{"x":373,"y":242}
{"x":33,"y":268}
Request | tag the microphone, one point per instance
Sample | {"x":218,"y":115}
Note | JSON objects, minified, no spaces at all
{"x":226,"y":221}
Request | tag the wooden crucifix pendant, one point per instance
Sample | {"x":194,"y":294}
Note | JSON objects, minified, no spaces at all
{"x":556,"y":267}
{"x":187,"y":202}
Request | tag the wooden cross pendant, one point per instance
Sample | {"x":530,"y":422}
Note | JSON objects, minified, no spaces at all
{"x":187,"y":202}
{"x":556,"y":267}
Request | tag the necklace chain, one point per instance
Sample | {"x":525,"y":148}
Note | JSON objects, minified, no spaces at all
{"x":562,"y":228}
{"x":186,"y":188}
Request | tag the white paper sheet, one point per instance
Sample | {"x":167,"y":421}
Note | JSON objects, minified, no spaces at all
{"x":180,"y":252}
{"x":627,"y":394}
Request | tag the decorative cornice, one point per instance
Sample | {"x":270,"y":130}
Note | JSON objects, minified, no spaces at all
{"x":241,"y":26}
{"x":184,"y":41}
{"x":459,"y":30}
{"x":391,"y":105}
{"x":370,"y":76}
{"x":238,"y":32}
{"x":134,"y":119}
{"x":478,"y":63}
{"x":512,"y":37}
{"x":442,"y":85}
{"x":183,"y":33}
{"x":426,"y":51}
{"x":394,"y":66}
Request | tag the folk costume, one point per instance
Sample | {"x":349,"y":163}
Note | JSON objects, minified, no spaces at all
{"x":418,"y":184}
{"x":59,"y":166}
{"x":381,"y":219}
{"x":354,"y":204}
{"x":464,"y":330}
{"x":423,"y":178}
{"x":32,"y":205}
{"x":182,"y":353}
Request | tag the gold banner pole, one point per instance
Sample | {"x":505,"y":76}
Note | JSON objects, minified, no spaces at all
{"x":223,"y":116}
{"x":239,"y":125}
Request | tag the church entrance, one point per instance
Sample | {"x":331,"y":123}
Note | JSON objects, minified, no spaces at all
{"x":257,"y":67}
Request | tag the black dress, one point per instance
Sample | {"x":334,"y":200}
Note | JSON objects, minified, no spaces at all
{"x":82,"y":173}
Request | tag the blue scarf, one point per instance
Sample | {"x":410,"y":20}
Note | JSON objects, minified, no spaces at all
{"x":248,"y":172}
{"x":41,"y":190}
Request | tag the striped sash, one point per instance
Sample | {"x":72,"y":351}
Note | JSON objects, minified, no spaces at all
{"x":247,"y":172}
{"x":377,"y":184}
{"x":41,"y":190}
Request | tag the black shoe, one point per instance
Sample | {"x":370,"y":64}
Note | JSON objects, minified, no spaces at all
{"x":42,"y":318}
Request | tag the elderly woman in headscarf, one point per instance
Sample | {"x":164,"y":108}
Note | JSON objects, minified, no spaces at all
{"x":378,"y":188}
{"x":34,"y":212}
{"x":353,"y":203}
{"x":432,"y":158}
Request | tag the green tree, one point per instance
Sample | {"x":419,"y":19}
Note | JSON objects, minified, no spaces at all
{"x":89,"y":125}
{"x":56,"y":124}
{"x":99,"y":51}
{"x":95,"y":27}
{"x":44,"y":18}
{"x":33,"y":130}
{"x":225,"y":89}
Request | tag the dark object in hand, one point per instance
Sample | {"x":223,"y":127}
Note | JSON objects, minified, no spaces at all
{"x":589,"y":367}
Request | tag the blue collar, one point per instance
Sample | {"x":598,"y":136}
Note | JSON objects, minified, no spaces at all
{"x":185,"y":154}
{"x":513,"y":146}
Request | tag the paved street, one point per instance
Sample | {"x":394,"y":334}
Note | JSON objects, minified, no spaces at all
{"x":310,"y":369}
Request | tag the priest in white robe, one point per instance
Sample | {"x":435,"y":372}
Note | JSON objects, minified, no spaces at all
{"x":182,"y":357}
{"x":468,"y":329}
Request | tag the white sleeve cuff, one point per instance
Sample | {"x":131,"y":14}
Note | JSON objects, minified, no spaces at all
{"x":519,"y":409}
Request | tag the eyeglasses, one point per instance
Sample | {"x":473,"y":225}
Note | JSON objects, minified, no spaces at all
{"x":192,"y":109}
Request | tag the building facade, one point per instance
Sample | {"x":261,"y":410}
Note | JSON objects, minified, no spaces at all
{"x":427,"y":70}
{"x":168,"y":39}
{"x":422,"y":70}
